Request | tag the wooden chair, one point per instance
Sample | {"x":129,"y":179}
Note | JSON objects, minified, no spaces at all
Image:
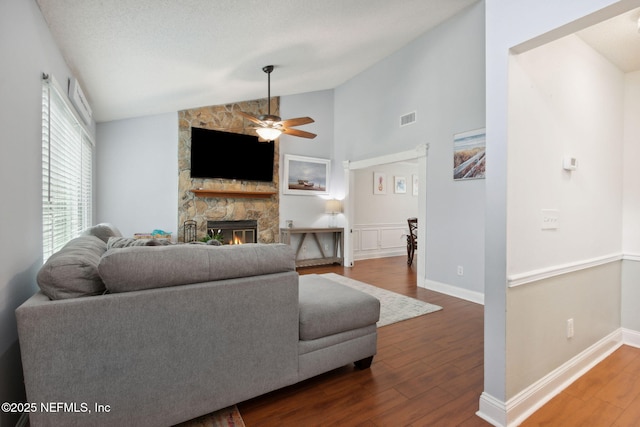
{"x":412,"y":239}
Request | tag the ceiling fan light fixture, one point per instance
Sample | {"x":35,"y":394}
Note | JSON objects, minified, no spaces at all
{"x":268,"y":134}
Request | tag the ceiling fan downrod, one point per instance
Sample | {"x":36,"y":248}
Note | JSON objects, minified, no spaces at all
{"x":268,"y":69}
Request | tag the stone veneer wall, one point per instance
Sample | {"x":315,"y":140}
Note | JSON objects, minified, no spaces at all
{"x":201,"y":209}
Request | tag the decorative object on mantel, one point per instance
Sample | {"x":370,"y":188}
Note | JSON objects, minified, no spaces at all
{"x":270,"y":126}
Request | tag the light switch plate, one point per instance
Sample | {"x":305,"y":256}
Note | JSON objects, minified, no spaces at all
{"x":550,"y":219}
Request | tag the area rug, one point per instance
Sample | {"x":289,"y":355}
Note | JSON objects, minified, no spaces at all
{"x":227,"y":417}
{"x":393,"y":306}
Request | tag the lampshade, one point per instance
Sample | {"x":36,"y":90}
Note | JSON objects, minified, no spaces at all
{"x":268,"y":133}
{"x":333,"y":206}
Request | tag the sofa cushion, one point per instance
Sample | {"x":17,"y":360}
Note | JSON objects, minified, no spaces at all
{"x":103,"y":231}
{"x":125,"y":242}
{"x":73,"y":271}
{"x":145,"y":267}
{"x":328,"y":308}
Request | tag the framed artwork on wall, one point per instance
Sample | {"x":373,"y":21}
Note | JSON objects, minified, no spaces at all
{"x":400,"y":184}
{"x":379,"y":183}
{"x":307,"y":176}
{"x":469,"y":149}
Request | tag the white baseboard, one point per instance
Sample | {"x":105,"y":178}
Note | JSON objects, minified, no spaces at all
{"x":631,"y":338}
{"x":362,"y":255}
{"x":525,"y":403}
{"x":453,"y":291}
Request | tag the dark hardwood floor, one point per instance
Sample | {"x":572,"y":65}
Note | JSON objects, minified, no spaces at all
{"x":428,"y":370}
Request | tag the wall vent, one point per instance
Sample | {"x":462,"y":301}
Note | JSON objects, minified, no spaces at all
{"x":407,"y":119}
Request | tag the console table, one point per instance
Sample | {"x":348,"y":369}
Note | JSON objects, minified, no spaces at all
{"x":337,"y":236}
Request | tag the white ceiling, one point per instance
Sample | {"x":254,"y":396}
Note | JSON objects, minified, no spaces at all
{"x":141,"y":57}
{"x":617,"y":39}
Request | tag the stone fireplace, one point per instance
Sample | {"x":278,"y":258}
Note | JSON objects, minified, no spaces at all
{"x":204,"y":200}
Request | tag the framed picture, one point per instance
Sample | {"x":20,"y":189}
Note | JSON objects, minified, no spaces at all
{"x":306,"y":175}
{"x":469,"y":150}
{"x":379,"y":183}
{"x":399,"y":184}
{"x":415,"y":185}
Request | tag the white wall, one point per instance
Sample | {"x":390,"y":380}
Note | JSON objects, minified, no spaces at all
{"x":380,"y":220}
{"x":27,"y":50}
{"x":137,"y":174}
{"x":509,"y":24}
{"x":631,"y":189}
{"x":631,"y":205}
{"x":565,"y":100}
{"x":440,"y":76}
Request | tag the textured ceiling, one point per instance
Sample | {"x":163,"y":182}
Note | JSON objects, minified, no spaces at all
{"x":617,"y":39}
{"x":141,"y":57}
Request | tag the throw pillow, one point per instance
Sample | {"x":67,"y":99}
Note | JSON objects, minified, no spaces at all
{"x":125,"y":242}
{"x":73,"y":271}
{"x":102,"y":231}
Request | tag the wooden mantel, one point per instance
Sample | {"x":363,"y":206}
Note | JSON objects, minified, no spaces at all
{"x":234,"y":194}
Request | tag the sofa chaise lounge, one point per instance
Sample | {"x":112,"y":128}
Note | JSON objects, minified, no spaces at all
{"x":152,"y":336}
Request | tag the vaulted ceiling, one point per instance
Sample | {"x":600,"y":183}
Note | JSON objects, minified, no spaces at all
{"x":142,"y":57}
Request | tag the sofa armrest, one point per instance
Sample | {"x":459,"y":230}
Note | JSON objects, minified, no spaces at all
{"x":160,"y":356}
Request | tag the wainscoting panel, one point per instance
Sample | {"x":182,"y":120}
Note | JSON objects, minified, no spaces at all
{"x":379,"y":240}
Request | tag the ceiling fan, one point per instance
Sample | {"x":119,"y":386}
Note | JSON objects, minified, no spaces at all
{"x":270,"y":126}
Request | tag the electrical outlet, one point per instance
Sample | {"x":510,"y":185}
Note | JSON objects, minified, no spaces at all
{"x":570,"y":328}
{"x":460,"y":271}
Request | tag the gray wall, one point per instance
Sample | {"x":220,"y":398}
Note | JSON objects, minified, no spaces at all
{"x":27,"y":50}
{"x":440,"y":76}
{"x":137,"y":174}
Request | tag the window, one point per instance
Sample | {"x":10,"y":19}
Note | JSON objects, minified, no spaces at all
{"x":67,"y":157}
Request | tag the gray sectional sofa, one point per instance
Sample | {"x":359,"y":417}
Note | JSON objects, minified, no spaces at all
{"x":157,"y":335}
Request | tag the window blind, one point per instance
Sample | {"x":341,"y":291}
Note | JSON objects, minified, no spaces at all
{"x":67,"y":159}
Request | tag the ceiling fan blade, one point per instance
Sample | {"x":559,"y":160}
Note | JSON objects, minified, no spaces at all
{"x":297,"y":121}
{"x":251,"y":118}
{"x":298,"y":132}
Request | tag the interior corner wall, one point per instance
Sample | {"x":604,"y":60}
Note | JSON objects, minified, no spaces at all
{"x":565,"y":100}
{"x":137,"y":173}
{"x":27,"y":50}
{"x":440,"y":76}
{"x":303,"y":210}
{"x":534,"y":19}
{"x":631,"y":204}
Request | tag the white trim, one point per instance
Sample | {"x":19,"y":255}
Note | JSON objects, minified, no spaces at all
{"x":419,"y":151}
{"x":556,"y":270}
{"x":454,"y":291}
{"x":529,"y":400}
{"x":630,"y":337}
{"x":492,"y":410}
{"x":631,"y":257}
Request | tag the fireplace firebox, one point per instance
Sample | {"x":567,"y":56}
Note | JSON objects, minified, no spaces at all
{"x":234,"y":232}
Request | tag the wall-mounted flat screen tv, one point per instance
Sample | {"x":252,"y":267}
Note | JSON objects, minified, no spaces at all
{"x":218,"y":154}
